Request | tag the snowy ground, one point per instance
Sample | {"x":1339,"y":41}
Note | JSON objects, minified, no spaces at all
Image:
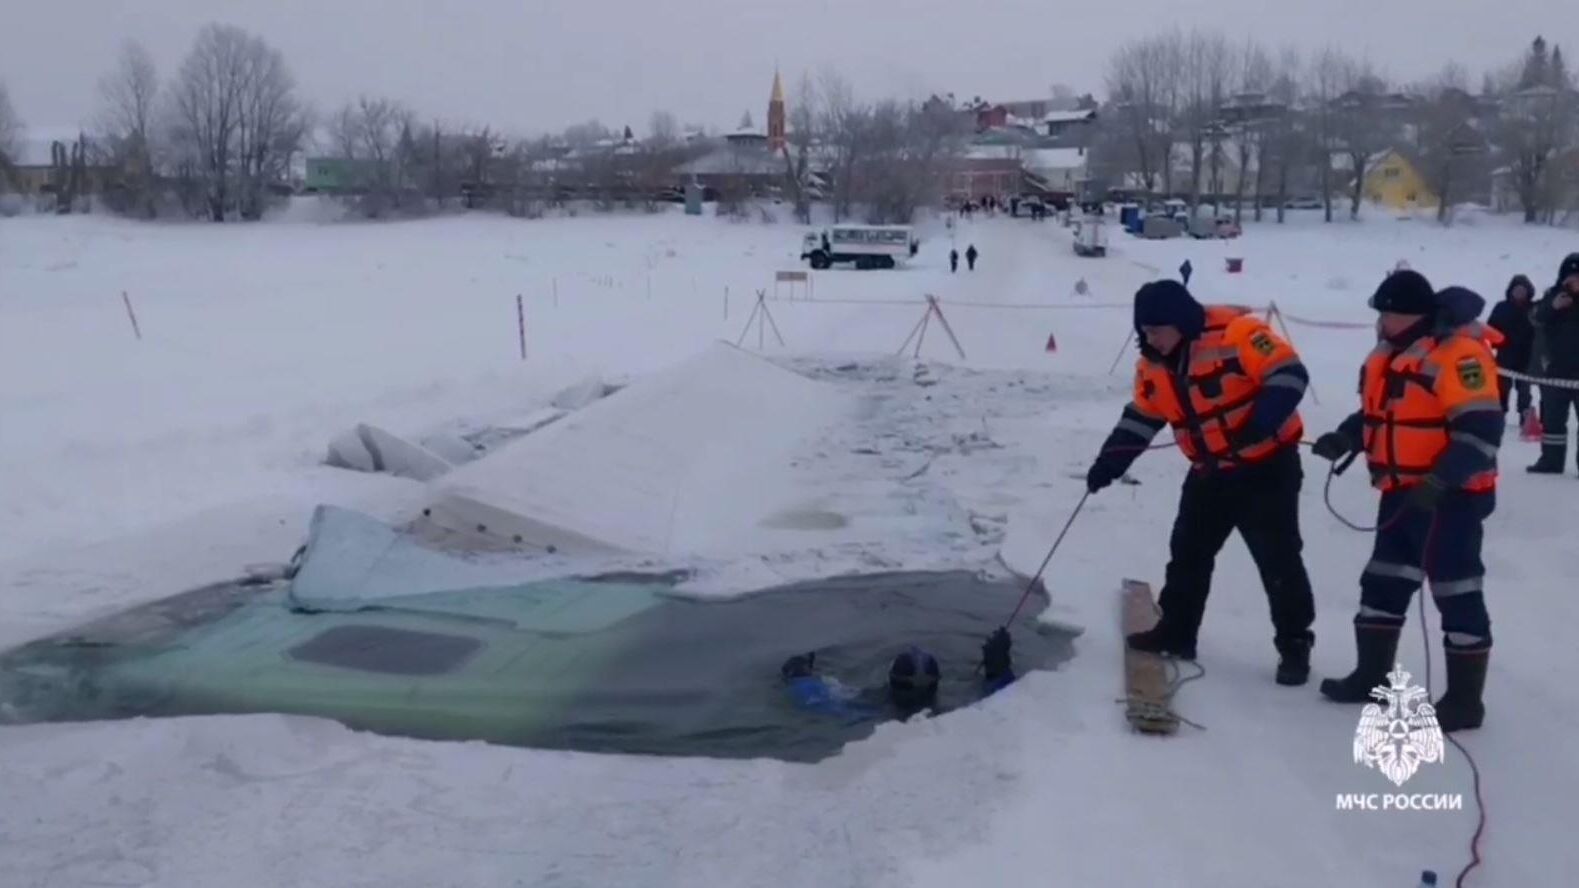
{"x":133,"y":469}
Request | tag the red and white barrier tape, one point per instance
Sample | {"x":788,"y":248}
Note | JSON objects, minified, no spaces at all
{"x":1328,"y":325}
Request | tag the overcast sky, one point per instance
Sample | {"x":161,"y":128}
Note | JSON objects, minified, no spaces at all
{"x":537,"y":65}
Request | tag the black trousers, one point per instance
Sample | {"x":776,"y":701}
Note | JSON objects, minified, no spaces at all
{"x":1262,"y":503}
{"x":1556,"y":404}
{"x":1508,"y":387}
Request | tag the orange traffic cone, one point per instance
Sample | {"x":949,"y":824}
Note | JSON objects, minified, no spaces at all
{"x":1531,"y":430}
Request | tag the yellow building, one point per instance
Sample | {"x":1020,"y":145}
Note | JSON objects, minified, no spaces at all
{"x":1395,"y":182}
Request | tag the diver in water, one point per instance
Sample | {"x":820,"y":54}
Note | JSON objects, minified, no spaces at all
{"x":996,"y":666}
{"x":913,"y":680}
{"x":821,"y":694}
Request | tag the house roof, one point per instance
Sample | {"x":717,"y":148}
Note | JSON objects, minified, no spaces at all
{"x":734,"y":160}
{"x":1030,"y":157}
{"x":1069,"y":116}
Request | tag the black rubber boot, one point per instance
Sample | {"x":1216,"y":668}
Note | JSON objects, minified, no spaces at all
{"x":1293,"y":667}
{"x":1547,"y":464}
{"x":1376,"y":650}
{"x":1162,"y":640}
{"x":1461,"y":708}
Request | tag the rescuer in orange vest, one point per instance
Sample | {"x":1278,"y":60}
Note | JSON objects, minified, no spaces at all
{"x":1430,"y":424}
{"x":1230,"y":388}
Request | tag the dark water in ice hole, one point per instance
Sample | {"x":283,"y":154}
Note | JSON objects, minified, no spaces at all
{"x":685,"y":677}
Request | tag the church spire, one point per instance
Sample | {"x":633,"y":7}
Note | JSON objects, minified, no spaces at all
{"x":776,"y":130}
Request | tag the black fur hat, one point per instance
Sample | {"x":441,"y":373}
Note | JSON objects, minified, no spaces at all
{"x":1405,"y":292}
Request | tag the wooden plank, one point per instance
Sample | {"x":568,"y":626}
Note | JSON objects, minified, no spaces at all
{"x":1145,"y":675}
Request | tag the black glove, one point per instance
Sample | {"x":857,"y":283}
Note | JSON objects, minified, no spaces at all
{"x":1101,"y":474}
{"x":1333,"y":446}
{"x":1247,"y":437}
{"x":1427,"y":495}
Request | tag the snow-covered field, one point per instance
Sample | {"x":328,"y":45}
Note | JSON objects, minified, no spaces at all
{"x":131,"y":469}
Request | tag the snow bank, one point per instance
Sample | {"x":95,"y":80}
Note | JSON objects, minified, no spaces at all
{"x":369,"y":448}
{"x":156,"y":465}
{"x":677,"y":463}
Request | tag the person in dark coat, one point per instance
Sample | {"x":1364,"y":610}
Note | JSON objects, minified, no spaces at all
{"x":1557,"y":327}
{"x":953,"y":261}
{"x":1513,"y":319}
{"x":970,"y":256}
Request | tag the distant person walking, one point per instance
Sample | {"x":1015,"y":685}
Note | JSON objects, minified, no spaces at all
{"x":953,"y":261}
{"x":970,"y":256}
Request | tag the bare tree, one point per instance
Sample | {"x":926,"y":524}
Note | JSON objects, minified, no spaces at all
{"x":1537,"y":121}
{"x":583,"y":134}
{"x":206,"y":99}
{"x":481,"y":149}
{"x":1285,"y":142}
{"x":844,"y":123}
{"x":127,"y":96}
{"x":235,"y":120}
{"x":10,"y":136}
{"x":802,"y":135}
{"x":907,"y":151}
{"x":1206,"y":61}
{"x":270,"y":128}
{"x":1328,"y":73}
{"x":375,"y":135}
{"x":1249,"y":120}
{"x":1450,"y":148}
{"x":663,"y":130}
{"x":1364,"y":123}
{"x":1143,"y":86}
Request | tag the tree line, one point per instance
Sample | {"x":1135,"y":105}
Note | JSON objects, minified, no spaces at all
{"x":1240,"y":120}
{"x":1188,"y":114}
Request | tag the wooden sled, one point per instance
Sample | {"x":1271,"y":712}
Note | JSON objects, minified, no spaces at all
{"x":1146,"y":682}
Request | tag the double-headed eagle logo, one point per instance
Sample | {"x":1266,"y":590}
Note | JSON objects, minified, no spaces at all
{"x":1399,"y":735}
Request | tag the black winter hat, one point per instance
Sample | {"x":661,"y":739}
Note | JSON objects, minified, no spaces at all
{"x":1520,"y":280}
{"x":1167,"y":303}
{"x":1405,"y":292}
{"x":1569,"y":267}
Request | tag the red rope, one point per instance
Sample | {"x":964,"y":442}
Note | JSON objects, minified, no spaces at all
{"x":1332,"y":472}
{"x":1474,"y":768}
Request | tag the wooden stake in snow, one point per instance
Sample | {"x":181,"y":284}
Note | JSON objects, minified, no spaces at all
{"x":133,"y":315}
{"x":933,"y":310}
{"x":520,"y":323}
{"x":760,"y":314}
{"x":1275,"y":313}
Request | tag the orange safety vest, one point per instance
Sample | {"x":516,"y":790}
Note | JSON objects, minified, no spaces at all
{"x":1409,"y":396}
{"x":1209,"y":403}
